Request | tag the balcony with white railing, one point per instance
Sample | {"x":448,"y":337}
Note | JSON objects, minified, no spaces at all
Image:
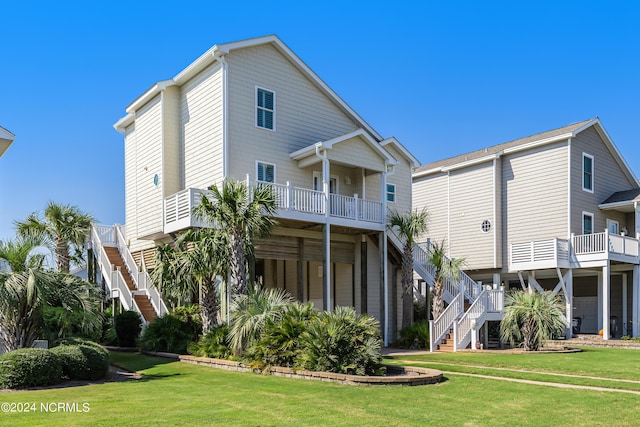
{"x":292,"y":203}
{"x":567,"y":253}
{"x":537,"y":254}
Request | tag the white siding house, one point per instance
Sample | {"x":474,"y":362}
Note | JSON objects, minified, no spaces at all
{"x":6,"y":139}
{"x":557,"y":210}
{"x":253,"y":111}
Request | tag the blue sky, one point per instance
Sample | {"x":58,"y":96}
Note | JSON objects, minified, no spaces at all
{"x":443,"y":77}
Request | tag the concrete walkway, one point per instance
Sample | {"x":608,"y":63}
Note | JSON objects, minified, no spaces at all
{"x":543,"y":383}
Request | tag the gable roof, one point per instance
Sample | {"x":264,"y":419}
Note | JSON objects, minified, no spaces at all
{"x":311,"y":150}
{"x":543,"y":138}
{"x":216,"y":53}
{"x":6,"y":138}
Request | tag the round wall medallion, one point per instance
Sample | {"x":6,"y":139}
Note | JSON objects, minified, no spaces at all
{"x":486,"y":226}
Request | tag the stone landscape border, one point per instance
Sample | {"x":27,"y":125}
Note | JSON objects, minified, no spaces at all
{"x":400,"y":375}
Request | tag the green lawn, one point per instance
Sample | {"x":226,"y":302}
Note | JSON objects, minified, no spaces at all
{"x":175,"y":393}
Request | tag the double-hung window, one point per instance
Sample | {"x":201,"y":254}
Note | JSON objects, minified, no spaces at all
{"x":265,"y":108}
{"x":391,"y":193}
{"x":265,"y":172}
{"x":587,"y":172}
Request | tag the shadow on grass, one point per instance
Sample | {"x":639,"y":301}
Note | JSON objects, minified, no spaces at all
{"x":135,"y":362}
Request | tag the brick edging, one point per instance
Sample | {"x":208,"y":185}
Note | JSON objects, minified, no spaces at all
{"x":406,"y":375}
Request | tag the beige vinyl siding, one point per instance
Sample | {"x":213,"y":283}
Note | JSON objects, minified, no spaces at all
{"x":202,"y":128}
{"x":130,"y":193}
{"x":171,"y":175}
{"x":303,"y":114}
{"x":431,"y":192}
{"x":534,"y":195}
{"x":608,"y":178}
{"x":148,"y":196}
{"x":358,"y":153}
{"x":373,"y":279}
{"x":471,"y":203}
{"x":343,"y":284}
{"x":401,"y":177}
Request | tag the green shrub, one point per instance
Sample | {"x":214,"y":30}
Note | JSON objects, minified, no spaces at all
{"x":279,"y":344}
{"x":62,"y":323}
{"x":29,"y":367}
{"x":168,"y":333}
{"x":127,"y":325}
{"x":84,"y":361}
{"x":214,"y":344}
{"x":343,"y":342}
{"x":190,"y":314}
{"x":414,"y":336}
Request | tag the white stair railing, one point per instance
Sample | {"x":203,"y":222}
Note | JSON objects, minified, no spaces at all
{"x":114,"y":237}
{"x":489,"y":301}
{"x":440,"y":327}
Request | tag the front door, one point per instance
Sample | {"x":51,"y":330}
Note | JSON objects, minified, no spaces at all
{"x":613,"y":226}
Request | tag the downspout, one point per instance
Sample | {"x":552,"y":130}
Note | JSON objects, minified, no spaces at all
{"x":225,"y":112}
{"x":327,"y":227}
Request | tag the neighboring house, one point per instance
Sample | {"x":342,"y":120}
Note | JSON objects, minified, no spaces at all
{"x":557,"y":210}
{"x":6,"y":138}
{"x":253,"y":111}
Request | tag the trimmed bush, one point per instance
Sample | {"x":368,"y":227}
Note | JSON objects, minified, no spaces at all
{"x":343,"y":342}
{"x":214,"y":344}
{"x":128,"y":325}
{"x":29,"y":367}
{"x":86,"y":361}
{"x":167,"y":333}
{"x":279,"y":345}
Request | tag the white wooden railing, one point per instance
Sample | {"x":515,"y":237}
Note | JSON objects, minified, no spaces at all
{"x":439,"y":327}
{"x":489,"y":301}
{"x":140,"y":277}
{"x":114,"y":278}
{"x":178,"y":207}
{"x":556,"y":252}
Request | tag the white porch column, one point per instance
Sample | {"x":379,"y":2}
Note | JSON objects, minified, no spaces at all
{"x":635,"y":295}
{"x":385,"y":254}
{"x":599,"y":290}
{"x":624,"y":321}
{"x":606,"y":293}
{"x":326,"y":237}
{"x":496,"y":279}
{"x":568,"y":283}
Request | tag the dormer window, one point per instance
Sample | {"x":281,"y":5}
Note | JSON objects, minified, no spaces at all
{"x":265,"y":108}
{"x":587,"y":172}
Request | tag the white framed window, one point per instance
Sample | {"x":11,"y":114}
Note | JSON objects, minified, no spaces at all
{"x":265,"y":108}
{"x":391,"y":193}
{"x":265,"y":172}
{"x":587,"y":223}
{"x":613,"y":226}
{"x":587,"y":172}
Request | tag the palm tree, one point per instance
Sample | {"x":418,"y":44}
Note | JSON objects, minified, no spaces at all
{"x":252,"y":312}
{"x":19,"y":255}
{"x":242,"y":215}
{"x":25,"y":294}
{"x":63,"y":228}
{"x":410,"y":226}
{"x":531,"y":317}
{"x":188,"y":270}
{"x":446,"y":269}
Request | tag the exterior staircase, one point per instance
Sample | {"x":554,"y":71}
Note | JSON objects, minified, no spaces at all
{"x":122,"y":276}
{"x":470,"y":304}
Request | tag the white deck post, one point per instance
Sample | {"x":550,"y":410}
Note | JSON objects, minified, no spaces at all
{"x":568,"y":283}
{"x":635,"y":294}
{"x":606,"y":293}
{"x":599,"y":291}
{"x":624,"y":321}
